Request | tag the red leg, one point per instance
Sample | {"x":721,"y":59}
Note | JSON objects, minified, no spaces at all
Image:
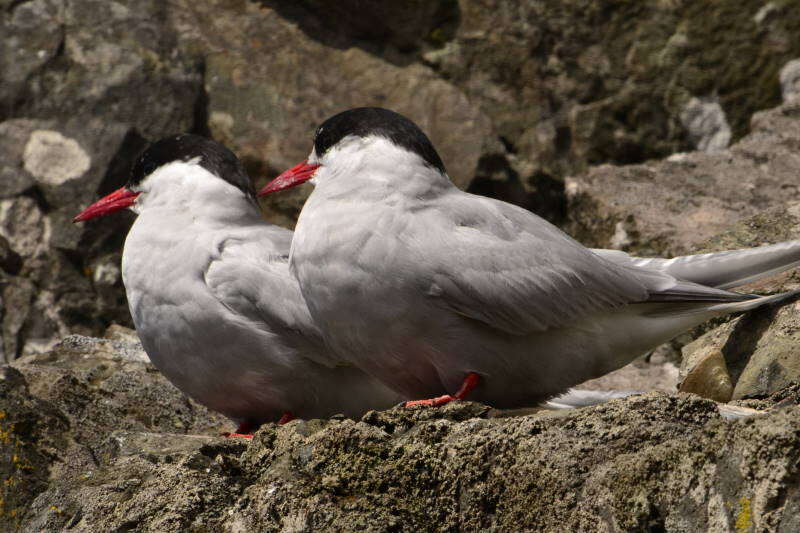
{"x":470,"y":382}
{"x":244,"y":431}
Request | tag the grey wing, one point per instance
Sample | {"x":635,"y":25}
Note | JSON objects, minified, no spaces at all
{"x":250,"y":276}
{"x":508,"y":268}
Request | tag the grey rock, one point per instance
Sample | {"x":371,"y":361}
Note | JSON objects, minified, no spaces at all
{"x":14,"y":135}
{"x":59,"y":412}
{"x":103,"y":443}
{"x":515,"y":95}
{"x":267,"y":110}
{"x":705,"y":122}
{"x":790,"y":80}
{"x":756,"y":354}
{"x":673,"y":206}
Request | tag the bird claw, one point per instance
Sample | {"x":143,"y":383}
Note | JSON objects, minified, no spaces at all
{"x":245,"y":429}
{"x":229,"y":435}
{"x":470,"y":382}
{"x":431,"y":402}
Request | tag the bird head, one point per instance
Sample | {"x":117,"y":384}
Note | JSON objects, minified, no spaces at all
{"x":173,"y":170}
{"x":357,"y":138}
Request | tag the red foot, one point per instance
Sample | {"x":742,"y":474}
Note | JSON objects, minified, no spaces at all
{"x":470,"y":382}
{"x":244,"y":431}
{"x":238,"y":435}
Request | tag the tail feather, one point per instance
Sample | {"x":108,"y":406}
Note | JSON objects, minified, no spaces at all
{"x":721,"y":270}
{"x":689,"y":308}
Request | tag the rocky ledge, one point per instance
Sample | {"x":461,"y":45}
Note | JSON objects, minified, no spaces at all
{"x":93,"y":438}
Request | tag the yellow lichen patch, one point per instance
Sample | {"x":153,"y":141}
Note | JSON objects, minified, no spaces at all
{"x":6,"y":433}
{"x":744,"y":520}
{"x":21,"y":463}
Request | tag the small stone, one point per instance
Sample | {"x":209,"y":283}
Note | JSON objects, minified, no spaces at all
{"x":709,"y":376}
{"x":790,"y":80}
{"x":705,"y":121}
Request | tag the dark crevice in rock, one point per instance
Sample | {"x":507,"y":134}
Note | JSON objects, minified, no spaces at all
{"x":36,"y":194}
{"x":119,"y":168}
{"x":563,"y":141}
{"x":200,"y":123}
{"x":548,"y":199}
{"x":508,"y":145}
{"x":393,"y":31}
{"x":14,"y":4}
{"x":10,"y":261}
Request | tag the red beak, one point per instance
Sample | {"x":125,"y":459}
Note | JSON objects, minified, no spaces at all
{"x":294,"y":176}
{"x":119,"y":199}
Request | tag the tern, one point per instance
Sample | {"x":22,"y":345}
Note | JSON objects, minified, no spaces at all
{"x":440,"y":293}
{"x":211,"y":296}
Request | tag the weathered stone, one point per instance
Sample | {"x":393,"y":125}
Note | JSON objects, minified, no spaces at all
{"x":267,"y":110}
{"x":14,"y":135}
{"x":59,"y":413}
{"x":708,"y":374}
{"x":101,"y":444}
{"x":706,"y":125}
{"x":761,"y":350}
{"x":790,"y":80}
{"x":515,"y":96}
{"x":672,"y":206}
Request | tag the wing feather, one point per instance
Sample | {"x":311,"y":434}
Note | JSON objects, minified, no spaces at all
{"x":518,"y":273}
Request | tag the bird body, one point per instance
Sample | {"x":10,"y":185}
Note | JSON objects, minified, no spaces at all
{"x":421,"y":284}
{"x":214,"y":303}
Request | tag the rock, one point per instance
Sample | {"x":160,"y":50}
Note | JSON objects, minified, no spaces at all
{"x":52,"y":173}
{"x":707,"y":373}
{"x":59,"y":412}
{"x":790,"y":80}
{"x":706,"y":124}
{"x":53,"y":159}
{"x":267,"y":110}
{"x":515,"y":96}
{"x":674,"y":205}
{"x":102,"y":442}
{"x":601,"y":88}
{"x":756,"y":354}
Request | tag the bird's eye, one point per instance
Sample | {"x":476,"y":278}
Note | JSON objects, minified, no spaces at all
{"x":148,"y":168}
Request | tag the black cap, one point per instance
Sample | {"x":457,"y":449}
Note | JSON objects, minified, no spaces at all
{"x":366,"y":121}
{"x":214,"y":157}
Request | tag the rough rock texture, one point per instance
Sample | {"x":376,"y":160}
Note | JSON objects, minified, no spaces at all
{"x":515,"y":95}
{"x":673,"y":206}
{"x":58,"y":410}
{"x":93,"y":439}
{"x":758,"y":353}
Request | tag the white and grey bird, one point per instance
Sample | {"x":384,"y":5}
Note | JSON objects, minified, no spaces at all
{"x":430,"y":288}
{"x":211,"y":296}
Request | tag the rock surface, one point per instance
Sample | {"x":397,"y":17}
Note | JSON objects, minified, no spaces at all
{"x":91,"y":438}
{"x":757,"y":353}
{"x":515,"y":95}
{"x":674,"y":205}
